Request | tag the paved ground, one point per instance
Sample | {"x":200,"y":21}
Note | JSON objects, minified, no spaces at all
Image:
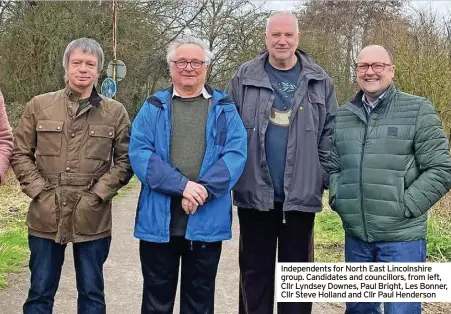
{"x":123,"y":277}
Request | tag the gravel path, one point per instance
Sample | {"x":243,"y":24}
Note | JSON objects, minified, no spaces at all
{"x":123,"y":274}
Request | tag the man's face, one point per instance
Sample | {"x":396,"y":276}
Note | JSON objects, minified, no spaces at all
{"x":374,"y":81}
{"x":282,"y":38}
{"x":82,"y":69}
{"x":188,"y":77}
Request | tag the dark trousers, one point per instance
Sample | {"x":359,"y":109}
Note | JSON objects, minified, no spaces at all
{"x":260,"y":234}
{"x":46,"y":261}
{"x":160,"y":267}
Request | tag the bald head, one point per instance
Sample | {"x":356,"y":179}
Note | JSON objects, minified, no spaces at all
{"x":282,"y":16}
{"x":376,"y":50}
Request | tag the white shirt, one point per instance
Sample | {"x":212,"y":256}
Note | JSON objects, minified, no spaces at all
{"x":204,"y":93}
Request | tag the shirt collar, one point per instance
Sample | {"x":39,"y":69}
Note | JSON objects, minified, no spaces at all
{"x":370,"y":106}
{"x":204,"y":93}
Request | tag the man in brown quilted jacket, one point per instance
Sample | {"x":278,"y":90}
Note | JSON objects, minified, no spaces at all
{"x":70,"y":157}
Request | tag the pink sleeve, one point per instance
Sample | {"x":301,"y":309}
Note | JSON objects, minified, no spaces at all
{"x":6,"y":140}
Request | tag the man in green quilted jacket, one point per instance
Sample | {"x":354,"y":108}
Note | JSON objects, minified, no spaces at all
{"x":390,"y":164}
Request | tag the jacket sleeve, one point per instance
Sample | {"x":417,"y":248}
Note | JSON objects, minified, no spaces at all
{"x":226,"y":171}
{"x":328,"y":130}
{"x":22,"y":157}
{"x":6,"y":140}
{"x":121,"y":172}
{"x":433,"y":160}
{"x":149,"y":167}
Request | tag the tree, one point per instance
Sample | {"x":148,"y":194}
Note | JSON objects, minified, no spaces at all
{"x":335,"y":31}
{"x":233,"y":30}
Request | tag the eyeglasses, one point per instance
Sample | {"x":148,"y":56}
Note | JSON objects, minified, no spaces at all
{"x":377,"y":67}
{"x":195,"y":64}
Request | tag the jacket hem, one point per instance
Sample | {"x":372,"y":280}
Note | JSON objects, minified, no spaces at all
{"x":150,"y":238}
{"x":260,"y":207}
{"x":286,"y":207}
{"x":302,"y":208}
{"x":224,"y":237}
{"x":388,"y":238}
{"x":76,"y":238}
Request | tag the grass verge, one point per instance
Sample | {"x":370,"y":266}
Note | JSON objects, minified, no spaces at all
{"x":13,"y":233}
{"x":13,"y":251}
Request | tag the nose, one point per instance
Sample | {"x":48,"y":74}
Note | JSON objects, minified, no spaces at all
{"x":188,"y":67}
{"x":282,"y":41}
{"x":370,"y":71}
{"x":82,"y":67}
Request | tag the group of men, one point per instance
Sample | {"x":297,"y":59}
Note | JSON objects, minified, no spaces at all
{"x":276,"y":137}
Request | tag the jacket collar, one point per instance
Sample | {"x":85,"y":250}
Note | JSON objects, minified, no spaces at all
{"x":388,"y":95}
{"x":356,"y":105}
{"x":257,"y":76}
{"x":94,"y":98}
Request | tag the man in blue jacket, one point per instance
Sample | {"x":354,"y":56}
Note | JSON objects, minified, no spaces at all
{"x":188,"y":148}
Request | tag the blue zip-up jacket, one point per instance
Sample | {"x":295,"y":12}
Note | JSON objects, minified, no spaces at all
{"x":223,"y":163}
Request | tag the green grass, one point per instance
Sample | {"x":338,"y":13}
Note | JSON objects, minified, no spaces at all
{"x":13,"y":251}
{"x":329,"y":235}
{"x":439,"y":232}
{"x":13,"y":232}
{"x":133,"y":182}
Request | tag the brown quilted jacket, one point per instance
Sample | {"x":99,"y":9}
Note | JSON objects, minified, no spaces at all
{"x":71,"y":165}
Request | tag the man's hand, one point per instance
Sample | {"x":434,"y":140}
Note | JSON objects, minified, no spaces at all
{"x":188,"y":207}
{"x":195,"y":193}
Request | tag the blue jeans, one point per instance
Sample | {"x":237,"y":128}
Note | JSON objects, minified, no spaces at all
{"x":358,"y":251}
{"x":46,"y":261}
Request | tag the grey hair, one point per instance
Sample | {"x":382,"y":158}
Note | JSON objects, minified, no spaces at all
{"x":188,"y":40}
{"x":87,"y":45}
{"x":287,"y":13}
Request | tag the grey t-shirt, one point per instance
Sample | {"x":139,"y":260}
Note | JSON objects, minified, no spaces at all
{"x":189,"y":118}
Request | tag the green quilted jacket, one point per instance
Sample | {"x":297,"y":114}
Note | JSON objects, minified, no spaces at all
{"x":389,"y":167}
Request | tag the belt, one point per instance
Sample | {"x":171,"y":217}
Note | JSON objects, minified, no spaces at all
{"x":74,"y":179}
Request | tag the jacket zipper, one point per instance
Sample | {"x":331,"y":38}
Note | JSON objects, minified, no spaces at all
{"x":158,"y":103}
{"x":361,"y":182}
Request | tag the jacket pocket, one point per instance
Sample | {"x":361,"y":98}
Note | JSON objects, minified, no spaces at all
{"x":316,"y":107}
{"x":43,"y":212}
{"x":91,"y":216}
{"x":100,"y":142}
{"x":401,"y":191}
{"x":49,"y":137}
